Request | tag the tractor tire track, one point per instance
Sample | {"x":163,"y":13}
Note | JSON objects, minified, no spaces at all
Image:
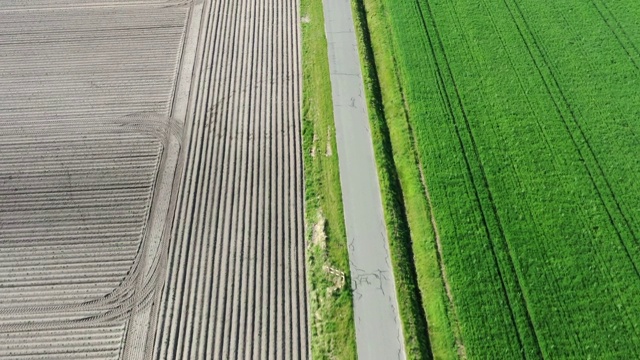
{"x":587,"y":155}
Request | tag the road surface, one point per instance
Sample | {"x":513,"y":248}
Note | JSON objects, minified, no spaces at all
{"x":378,"y":326}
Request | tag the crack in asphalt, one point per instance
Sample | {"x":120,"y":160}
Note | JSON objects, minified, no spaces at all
{"x":370,"y":279}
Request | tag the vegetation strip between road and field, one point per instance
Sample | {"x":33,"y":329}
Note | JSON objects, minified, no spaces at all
{"x":424,"y":308}
{"x":330,"y":296}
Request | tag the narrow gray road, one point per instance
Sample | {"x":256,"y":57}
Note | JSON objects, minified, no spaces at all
{"x":378,"y":327}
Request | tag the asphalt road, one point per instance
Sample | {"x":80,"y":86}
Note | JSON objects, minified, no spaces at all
{"x":378,"y":327}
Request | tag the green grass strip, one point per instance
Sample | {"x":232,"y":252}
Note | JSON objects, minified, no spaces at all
{"x":331,"y":306}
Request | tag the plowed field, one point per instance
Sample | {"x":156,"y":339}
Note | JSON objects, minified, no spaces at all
{"x":151,"y":191}
{"x":236,"y":284}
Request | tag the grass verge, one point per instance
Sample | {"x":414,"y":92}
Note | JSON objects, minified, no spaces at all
{"x":331,"y":306}
{"x":417,"y":267}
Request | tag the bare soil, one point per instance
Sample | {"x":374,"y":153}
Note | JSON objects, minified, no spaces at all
{"x":151,"y":192}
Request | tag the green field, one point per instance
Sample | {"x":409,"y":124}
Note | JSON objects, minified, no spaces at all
{"x":524,"y":119}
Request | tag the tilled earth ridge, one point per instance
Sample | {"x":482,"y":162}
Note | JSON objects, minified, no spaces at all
{"x":87,"y":160}
{"x":235,"y":284}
